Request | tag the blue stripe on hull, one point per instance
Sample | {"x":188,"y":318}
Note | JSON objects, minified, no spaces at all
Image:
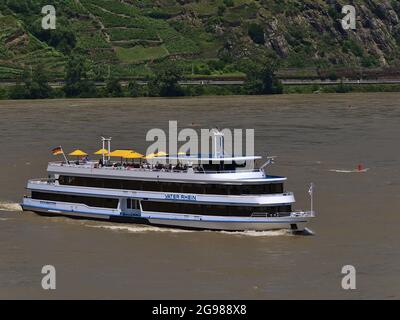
{"x":163,"y":218}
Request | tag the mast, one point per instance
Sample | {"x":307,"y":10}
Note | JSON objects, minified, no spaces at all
{"x":108,"y":141}
{"x":218,"y":143}
{"x":65,"y":157}
{"x":311,"y":193}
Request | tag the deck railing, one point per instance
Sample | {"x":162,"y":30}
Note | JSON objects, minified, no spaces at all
{"x":270,"y":215}
{"x":228,"y":196}
{"x":42,"y":181}
{"x":282,"y":214}
{"x":145,"y":168}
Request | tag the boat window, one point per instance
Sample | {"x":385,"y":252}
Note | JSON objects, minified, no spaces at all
{"x":131,"y":185}
{"x":197,"y":188}
{"x":211,"y":210}
{"x":276,"y":188}
{"x":234,"y":190}
{"x":172,"y":187}
{"x":89,"y":201}
{"x":178,"y":187}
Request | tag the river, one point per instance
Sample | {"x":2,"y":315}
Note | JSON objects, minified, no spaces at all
{"x":316,"y":138}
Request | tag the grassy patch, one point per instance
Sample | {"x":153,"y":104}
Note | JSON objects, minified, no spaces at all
{"x":115,"y":7}
{"x":9,"y":73}
{"x":140,"y":54}
{"x":118,"y":34}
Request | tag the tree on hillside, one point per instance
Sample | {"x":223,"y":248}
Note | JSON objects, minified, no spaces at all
{"x":134,"y":89}
{"x":39,"y":87}
{"x":165,"y":83}
{"x":19,"y":6}
{"x":77,"y":83}
{"x":61,"y":39}
{"x":221,"y":10}
{"x":229,"y":3}
{"x":18,"y":91}
{"x":32,"y":85}
{"x":114,"y":88}
{"x":261,"y":77}
{"x":256,"y":33}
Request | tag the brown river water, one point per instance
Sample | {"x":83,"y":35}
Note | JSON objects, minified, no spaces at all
{"x":358,"y":213}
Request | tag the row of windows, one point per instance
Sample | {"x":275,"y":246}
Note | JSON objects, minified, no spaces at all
{"x":196,"y":188}
{"x":89,"y":201}
{"x":171,"y":207}
{"x":212,"y":210}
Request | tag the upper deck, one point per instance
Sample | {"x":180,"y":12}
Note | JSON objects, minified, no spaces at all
{"x":160,"y":172}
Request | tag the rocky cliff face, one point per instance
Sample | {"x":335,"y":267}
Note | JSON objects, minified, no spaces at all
{"x":310,"y":32}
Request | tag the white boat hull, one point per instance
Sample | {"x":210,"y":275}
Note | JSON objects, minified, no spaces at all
{"x":231,"y":226}
{"x":295,"y":223}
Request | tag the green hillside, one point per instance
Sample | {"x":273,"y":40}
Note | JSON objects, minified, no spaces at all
{"x":128,"y":38}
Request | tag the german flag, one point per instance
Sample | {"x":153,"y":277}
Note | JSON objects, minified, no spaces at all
{"x":57,"y":151}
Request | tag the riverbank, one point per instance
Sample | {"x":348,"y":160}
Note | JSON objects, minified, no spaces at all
{"x":235,"y":101}
{"x":208,"y":90}
{"x":340,"y":88}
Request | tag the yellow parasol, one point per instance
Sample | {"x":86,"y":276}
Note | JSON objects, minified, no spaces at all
{"x":157,"y":154}
{"x":133,"y":155}
{"x":120,"y":153}
{"x":78,"y":153}
{"x":101,"y":151}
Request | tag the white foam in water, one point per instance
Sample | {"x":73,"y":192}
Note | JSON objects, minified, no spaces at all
{"x":144,"y":229}
{"x":138,"y":228}
{"x":270,"y":233}
{"x":10,"y":206}
{"x":349,"y":171}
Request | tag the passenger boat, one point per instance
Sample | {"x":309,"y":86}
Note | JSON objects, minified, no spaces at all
{"x":196,"y":192}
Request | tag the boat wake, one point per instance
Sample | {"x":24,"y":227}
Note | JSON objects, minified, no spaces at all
{"x":138,"y":229}
{"x":305,"y":232}
{"x":10,"y":206}
{"x":270,"y":233}
{"x":349,"y":171}
{"x":146,"y":229}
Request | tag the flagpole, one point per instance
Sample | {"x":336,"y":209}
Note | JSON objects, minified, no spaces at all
{"x":312,"y":201}
{"x":65,"y":157}
{"x":311,"y":192}
{"x":104,"y":146}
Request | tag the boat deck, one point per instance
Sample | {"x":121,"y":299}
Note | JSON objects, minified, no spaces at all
{"x":161,"y":172}
{"x":142,"y":167}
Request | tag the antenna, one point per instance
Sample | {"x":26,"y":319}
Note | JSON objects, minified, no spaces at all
{"x":108,"y":140}
{"x":270,"y":160}
{"x":311,"y":193}
{"x":218,"y":143}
